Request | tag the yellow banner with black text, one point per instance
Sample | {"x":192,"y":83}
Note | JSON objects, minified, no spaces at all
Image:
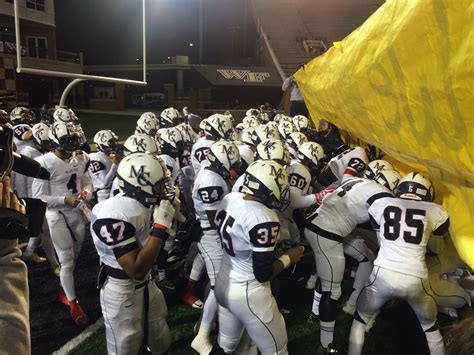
{"x":404,"y":81}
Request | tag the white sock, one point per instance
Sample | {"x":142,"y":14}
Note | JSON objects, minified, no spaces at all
{"x":327,"y":332}
{"x":361,"y":277}
{"x":67,"y":282}
{"x":316,"y":301}
{"x":209,"y":313}
{"x":435,"y":342}
{"x":356,"y":338}
{"x":33,"y":243}
{"x":198,"y":268}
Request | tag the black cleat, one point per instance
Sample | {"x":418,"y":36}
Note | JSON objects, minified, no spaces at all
{"x":331,"y":349}
{"x":165,"y":284}
{"x":313,"y":318}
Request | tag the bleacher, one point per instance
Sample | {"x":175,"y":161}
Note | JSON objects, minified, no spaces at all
{"x":299,"y":30}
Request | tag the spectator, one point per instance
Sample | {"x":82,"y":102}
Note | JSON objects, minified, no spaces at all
{"x":14,"y":299}
{"x":329,"y":137}
{"x":297,"y":105}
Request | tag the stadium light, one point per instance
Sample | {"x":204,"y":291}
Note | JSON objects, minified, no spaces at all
{"x":191,"y":44}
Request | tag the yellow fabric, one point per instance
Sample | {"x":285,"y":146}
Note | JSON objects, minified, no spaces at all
{"x":404,"y":81}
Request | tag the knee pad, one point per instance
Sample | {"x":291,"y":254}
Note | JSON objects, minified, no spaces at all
{"x":334,"y":288}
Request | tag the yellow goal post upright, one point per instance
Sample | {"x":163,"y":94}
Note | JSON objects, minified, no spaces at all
{"x":76,"y":78}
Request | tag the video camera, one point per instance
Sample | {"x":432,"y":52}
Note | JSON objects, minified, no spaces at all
{"x":12,"y":223}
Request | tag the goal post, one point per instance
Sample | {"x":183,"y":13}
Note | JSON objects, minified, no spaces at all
{"x":75,"y":76}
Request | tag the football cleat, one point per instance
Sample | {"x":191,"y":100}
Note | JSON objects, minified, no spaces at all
{"x":349,"y":309}
{"x":201,"y":344}
{"x":311,"y":283}
{"x":330,"y":349}
{"x":313,"y":318}
{"x":77,"y":314}
{"x":34,"y":257}
{"x":61,"y":297}
{"x":165,"y":284}
{"x":191,"y":300}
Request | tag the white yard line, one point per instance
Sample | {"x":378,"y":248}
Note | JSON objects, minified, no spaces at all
{"x":75,"y":342}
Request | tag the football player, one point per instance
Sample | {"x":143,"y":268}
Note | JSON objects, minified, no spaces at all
{"x":147,"y":124}
{"x":295,"y":140}
{"x":139,"y":142}
{"x":38,"y":224}
{"x":263,"y":133}
{"x":210,"y":187}
{"x":406,"y":224}
{"x":350,"y":163}
{"x":170,"y":117}
{"x":340,"y":212}
{"x":134,"y":309}
{"x":249,"y":229}
{"x":22,"y":119}
{"x":216,"y":127}
{"x":67,"y":178}
{"x":103,"y":163}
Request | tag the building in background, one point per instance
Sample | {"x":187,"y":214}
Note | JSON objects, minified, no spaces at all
{"x":39,"y":51}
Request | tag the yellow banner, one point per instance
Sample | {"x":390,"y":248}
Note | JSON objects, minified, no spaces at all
{"x":404,"y":81}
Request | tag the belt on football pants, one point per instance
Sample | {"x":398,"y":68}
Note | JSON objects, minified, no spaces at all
{"x":122,"y":275}
{"x":208,"y":229}
{"x":323,"y":233}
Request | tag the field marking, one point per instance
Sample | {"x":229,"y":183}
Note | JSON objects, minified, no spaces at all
{"x":75,"y":342}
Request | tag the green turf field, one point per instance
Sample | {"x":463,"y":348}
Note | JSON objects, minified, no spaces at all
{"x":396,"y":330}
{"x":122,"y":125}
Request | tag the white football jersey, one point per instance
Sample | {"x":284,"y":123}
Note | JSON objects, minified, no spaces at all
{"x":237,"y":187}
{"x":116,"y":223}
{"x":208,"y":191}
{"x":199,"y":153}
{"x":345,"y":208}
{"x":352,"y":162}
{"x":67,"y":178}
{"x":19,"y":131}
{"x":172,"y":166}
{"x":114,"y":189}
{"x":101,"y":170}
{"x":23,"y":183}
{"x":299,"y":176}
{"x":245,"y":226}
{"x":405,"y":228}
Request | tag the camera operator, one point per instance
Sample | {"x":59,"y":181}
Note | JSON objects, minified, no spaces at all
{"x":14,"y":298}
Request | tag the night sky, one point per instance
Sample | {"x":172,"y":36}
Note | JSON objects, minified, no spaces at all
{"x":109,"y":31}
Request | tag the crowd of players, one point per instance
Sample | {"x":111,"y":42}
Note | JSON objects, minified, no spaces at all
{"x":253,"y":194}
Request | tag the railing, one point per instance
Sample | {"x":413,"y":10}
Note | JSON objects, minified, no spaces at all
{"x":68,"y":57}
{"x":41,"y":53}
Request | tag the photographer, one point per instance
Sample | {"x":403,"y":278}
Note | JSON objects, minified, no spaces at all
{"x":14,"y":298}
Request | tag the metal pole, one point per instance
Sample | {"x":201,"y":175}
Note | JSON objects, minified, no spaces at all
{"x":144,"y":41}
{"x":17,"y":36}
{"x":245,"y":29}
{"x":62,"y":102}
{"x":200,"y":31}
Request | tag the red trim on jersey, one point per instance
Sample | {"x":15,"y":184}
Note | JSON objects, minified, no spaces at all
{"x":350,"y":171}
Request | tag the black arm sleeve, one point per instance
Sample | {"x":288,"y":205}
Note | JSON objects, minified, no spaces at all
{"x":442,"y":229}
{"x":263,"y":265}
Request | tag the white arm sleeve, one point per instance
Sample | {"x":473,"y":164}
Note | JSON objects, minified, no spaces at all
{"x":110,"y":175}
{"x":298,"y":200}
{"x":286,"y":83}
{"x":40,"y":190}
{"x":86,"y":182}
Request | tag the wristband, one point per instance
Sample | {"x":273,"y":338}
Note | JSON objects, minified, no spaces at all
{"x":285,"y":260}
{"x":159,"y":231}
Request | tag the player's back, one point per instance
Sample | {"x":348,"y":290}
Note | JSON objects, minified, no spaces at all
{"x":405,"y":228}
{"x":352,"y":161}
{"x":99,"y":164}
{"x":208,"y":191}
{"x":199,"y":153}
{"x":118,"y":221}
{"x":346,"y":207}
{"x":244,"y":226}
{"x":299,"y":176}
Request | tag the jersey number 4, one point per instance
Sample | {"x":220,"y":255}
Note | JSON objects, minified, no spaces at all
{"x":394,"y":225}
{"x":72,"y":184}
{"x":112,"y":233}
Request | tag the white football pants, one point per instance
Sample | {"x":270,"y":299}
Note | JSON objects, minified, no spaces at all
{"x":123,"y":310}
{"x":67,"y":233}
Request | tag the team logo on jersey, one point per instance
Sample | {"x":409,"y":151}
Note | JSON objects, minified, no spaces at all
{"x":141,"y":175}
